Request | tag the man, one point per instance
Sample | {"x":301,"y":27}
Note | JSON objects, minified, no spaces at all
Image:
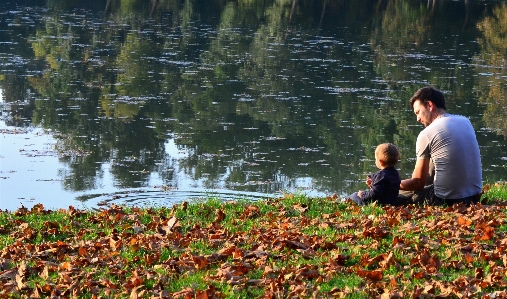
{"x":448,"y":144}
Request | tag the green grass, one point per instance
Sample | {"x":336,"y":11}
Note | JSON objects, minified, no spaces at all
{"x":293,"y":246}
{"x":496,"y":191}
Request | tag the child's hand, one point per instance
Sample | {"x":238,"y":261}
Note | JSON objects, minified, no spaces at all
{"x":368,"y":181}
{"x":359,"y":193}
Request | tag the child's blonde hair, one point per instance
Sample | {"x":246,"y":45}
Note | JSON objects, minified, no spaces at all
{"x":387,"y":153}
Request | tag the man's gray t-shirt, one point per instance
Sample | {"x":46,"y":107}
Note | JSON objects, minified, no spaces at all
{"x":450,"y":142}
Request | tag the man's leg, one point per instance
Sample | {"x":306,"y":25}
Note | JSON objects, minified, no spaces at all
{"x":406,"y":197}
{"x":423,"y":197}
{"x":420,"y":198}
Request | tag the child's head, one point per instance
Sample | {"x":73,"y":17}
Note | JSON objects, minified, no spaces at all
{"x":386,"y":155}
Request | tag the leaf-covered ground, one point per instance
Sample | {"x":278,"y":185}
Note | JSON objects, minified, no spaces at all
{"x":289,"y":247}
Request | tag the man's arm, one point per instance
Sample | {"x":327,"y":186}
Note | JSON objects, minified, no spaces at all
{"x":419,"y":176}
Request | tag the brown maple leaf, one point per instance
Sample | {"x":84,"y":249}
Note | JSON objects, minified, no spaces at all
{"x":220,"y":216}
{"x":375,"y":275}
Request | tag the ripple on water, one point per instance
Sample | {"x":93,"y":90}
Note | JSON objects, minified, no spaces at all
{"x":164,"y":198}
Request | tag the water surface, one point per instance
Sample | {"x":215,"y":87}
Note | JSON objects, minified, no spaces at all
{"x":115,"y":102}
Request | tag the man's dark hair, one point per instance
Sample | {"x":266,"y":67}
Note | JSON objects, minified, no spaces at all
{"x":429,"y":94}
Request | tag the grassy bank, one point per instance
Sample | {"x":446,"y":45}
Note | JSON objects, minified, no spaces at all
{"x":292,"y":246}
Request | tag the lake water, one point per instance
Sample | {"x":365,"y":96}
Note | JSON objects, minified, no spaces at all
{"x":152,"y":104}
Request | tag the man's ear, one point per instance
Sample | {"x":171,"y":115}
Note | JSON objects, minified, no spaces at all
{"x":430,"y":105}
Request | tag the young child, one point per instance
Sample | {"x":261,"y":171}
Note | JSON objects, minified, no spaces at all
{"x":385,"y":183}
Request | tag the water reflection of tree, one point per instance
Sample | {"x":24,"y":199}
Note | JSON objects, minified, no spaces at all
{"x":15,"y":93}
{"x":69,"y":94}
{"x":148,"y":71}
{"x":492,"y":63}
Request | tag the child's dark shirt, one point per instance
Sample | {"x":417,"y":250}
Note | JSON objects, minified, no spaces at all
{"x":385,"y":186}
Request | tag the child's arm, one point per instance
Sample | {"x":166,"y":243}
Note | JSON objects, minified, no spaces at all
{"x":376,"y":188}
{"x":368,"y":182}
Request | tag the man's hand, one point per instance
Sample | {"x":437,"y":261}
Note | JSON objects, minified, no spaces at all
{"x":419,"y":176}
